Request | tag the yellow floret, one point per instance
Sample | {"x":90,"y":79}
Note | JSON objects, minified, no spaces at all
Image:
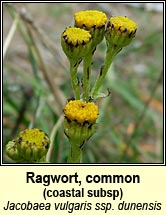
{"x":81,"y":111}
{"x":90,"y":19}
{"x":123,"y":24}
{"x":76,"y":36}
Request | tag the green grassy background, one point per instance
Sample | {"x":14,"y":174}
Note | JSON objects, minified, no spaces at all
{"x":130,"y":124}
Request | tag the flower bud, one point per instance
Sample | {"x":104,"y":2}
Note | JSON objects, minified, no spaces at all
{"x":30,"y":146}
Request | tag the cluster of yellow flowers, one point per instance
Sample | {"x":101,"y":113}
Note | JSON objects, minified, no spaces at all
{"x":79,"y":44}
{"x":97,"y":24}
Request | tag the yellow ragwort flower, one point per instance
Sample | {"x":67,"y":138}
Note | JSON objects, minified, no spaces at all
{"x":75,"y":43}
{"x":90,"y":19}
{"x":30,"y":146}
{"x":120,"y":31}
{"x":76,"y":36}
{"x":93,"y":21}
{"x":123,"y":24}
{"x":34,"y":137}
{"x":81,"y":112}
{"x":79,"y":122}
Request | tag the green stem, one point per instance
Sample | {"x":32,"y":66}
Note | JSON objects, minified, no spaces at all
{"x":75,"y":153}
{"x":111,"y":53}
{"x":74,"y":80}
{"x":86,"y":74}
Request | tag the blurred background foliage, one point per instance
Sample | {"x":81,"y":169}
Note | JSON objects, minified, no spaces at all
{"x":36,"y":81}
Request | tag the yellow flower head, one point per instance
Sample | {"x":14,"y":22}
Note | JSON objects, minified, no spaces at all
{"x":123,"y":24}
{"x":79,"y":122}
{"x":34,"y":137}
{"x":81,"y":112}
{"x":120,"y":31}
{"x":76,"y":36}
{"x":76,"y":43}
{"x":93,"y":21}
{"x":30,"y":146}
{"x":90,"y":19}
